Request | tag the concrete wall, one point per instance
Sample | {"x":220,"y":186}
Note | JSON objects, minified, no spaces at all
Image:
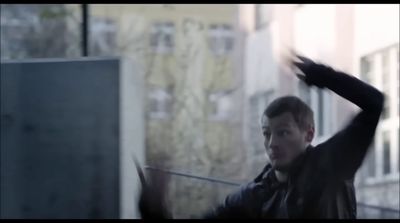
{"x":338,"y":35}
{"x":61,"y":135}
{"x":132,"y":136}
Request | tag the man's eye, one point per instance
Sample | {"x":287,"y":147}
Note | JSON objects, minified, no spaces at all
{"x":283,"y":133}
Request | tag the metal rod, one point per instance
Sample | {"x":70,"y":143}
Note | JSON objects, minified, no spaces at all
{"x":193,"y":176}
{"x":85,"y":30}
{"x":378,"y":207}
{"x":237,"y":184}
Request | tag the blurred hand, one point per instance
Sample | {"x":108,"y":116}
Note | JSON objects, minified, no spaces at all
{"x":308,"y":71}
{"x":152,"y":197}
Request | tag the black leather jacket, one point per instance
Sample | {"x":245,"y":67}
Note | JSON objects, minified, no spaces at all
{"x":320,"y":182}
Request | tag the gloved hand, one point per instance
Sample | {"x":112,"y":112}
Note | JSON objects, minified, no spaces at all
{"x":151,"y":200}
{"x":313,"y":73}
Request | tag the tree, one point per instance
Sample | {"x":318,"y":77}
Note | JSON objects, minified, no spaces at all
{"x":38,"y":31}
{"x":187,"y":139}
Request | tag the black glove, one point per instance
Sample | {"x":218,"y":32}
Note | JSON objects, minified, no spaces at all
{"x":152,"y":197}
{"x":151,"y":201}
{"x":314,"y":73}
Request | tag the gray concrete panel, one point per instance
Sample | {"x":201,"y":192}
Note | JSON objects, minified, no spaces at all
{"x":60,"y":139}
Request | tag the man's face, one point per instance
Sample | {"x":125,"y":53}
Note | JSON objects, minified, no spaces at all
{"x":284,"y":140}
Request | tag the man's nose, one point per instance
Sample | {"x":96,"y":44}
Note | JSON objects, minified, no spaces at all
{"x":273,"y":144}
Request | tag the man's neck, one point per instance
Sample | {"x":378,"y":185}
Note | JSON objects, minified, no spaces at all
{"x":281,"y":176}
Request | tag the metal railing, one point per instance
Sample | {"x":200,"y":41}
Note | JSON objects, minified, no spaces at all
{"x":364,"y":210}
{"x":214,"y":180}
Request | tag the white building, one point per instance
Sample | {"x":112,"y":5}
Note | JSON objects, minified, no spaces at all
{"x":358,"y":39}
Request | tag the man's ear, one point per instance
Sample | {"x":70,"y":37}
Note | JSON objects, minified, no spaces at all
{"x":310,"y":133}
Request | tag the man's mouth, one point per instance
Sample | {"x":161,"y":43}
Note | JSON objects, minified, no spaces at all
{"x":275,"y":156}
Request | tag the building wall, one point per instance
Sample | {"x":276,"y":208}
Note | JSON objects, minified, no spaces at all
{"x":132,"y":136}
{"x":188,"y":137}
{"x":339,"y":35}
{"x":371,"y":36}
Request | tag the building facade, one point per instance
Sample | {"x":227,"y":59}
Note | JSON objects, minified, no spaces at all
{"x":186,"y":54}
{"x":362,"y":40}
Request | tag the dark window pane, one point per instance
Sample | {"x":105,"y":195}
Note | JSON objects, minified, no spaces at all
{"x":386,"y":107}
{"x":162,"y":37}
{"x":102,"y":37}
{"x":305,"y":93}
{"x":229,"y":44}
{"x":386,"y":153}
{"x":154,"y":105}
{"x":154,"y":39}
{"x":320,"y":112}
{"x":371,"y":161}
{"x":168,"y":107}
{"x":366,"y":69}
{"x":385,"y":66}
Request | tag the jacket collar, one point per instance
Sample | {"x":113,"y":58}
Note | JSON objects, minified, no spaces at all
{"x":268,"y":173}
{"x":295,"y":167}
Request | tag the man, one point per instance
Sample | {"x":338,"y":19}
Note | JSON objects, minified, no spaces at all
{"x":303,"y":181}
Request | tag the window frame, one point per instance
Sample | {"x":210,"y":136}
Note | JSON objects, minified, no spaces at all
{"x":311,"y":97}
{"x":163,"y":101}
{"x":160,"y":31}
{"x":219,"y":36}
{"x":390,"y":124}
{"x":101,"y":28}
{"x":223,"y":104}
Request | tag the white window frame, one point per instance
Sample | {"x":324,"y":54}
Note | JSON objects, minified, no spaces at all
{"x":223,"y":103}
{"x":262,"y":15}
{"x":328,"y":106}
{"x":161,"y":30}
{"x":99,"y":29}
{"x":390,"y":124}
{"x":161,"y":98}
{"x":257,"y":104}
{"x":218,"y":38}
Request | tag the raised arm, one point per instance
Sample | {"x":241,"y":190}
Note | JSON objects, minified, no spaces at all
{"x":346,"y":150}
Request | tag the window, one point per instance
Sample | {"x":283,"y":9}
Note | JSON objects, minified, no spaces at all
{"x":386,"y":82}
{"x":398,"y":80}
{"x":321,"y":113}
{"x":258,"y":12}
{"x":370,"y":161}
{"x":220,"y":106}
{"x":162,"y":37}
{"x":258,"y":103}
{"x":366,"y":70}
{"x":386,"y":153}
{"x":320,"y":101}
{"x":220,"y":39}
{"x":305,"y":93}
{"x":262,"y":15}
{"x":381,"y":69}
{"x":160,"y":104}
{"x":254,"y":126}
{"x":103,"y":37}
